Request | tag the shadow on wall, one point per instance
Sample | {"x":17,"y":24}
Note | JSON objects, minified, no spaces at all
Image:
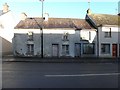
{"x":6,"y":46}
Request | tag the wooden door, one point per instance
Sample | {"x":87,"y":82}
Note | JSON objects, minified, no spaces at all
{"x":77,"y":50}
{"x":114,"y":50}
{"x":55,"y":50}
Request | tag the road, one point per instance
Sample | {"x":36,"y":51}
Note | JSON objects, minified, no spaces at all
{"x":59,"y":75}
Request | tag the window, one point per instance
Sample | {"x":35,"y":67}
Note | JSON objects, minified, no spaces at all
{"x":30,"y":36}
{"x":88,"y":48}
{"x":30,"y":49}
{"x":108,"y":34}
{"x":65,"y":36}
{"x":105,"y":48}
{"x":1,"y":26}
{"x":65,"y":49}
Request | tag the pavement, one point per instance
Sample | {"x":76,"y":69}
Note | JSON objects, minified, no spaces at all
{"x":11,"y":58}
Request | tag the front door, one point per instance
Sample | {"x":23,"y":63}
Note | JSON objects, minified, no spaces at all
{"x":77,"y":50}
{"x":55,"y":50}
{"x":114,"y":50}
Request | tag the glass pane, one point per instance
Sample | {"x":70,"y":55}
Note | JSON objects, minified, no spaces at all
{"x":88,"y":49}
{"x":105,"y":48}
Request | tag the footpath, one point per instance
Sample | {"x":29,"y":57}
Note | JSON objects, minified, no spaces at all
{"x":10,"y":58}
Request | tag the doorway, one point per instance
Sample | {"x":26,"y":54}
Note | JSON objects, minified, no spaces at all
{"x":114,"y":50}
{"x":77,"y":49}
{"x":55,"y":50}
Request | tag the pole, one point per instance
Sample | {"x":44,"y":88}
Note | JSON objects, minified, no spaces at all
{"x":89,"y":4}
{"x":42,"y":32}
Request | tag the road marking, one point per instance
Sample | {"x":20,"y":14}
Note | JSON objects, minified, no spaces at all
{"x":83,"y":75}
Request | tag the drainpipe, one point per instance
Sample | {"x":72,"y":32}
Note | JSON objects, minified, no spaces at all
{"x":97,"y":43}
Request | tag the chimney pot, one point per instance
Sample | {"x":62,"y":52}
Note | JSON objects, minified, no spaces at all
{"x":89,"y":12}
{"x":5,"y":8}
{"x":46,"y":17}
{"x":23,"y":16}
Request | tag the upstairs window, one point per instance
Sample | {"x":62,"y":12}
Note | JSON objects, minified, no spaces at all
{"x":108,"y":34}
{"x":30,"y":36}
{"x":65,"y":36}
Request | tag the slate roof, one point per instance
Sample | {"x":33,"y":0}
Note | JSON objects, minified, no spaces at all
{"x":35,"y":23}
{"x":105,"y":19}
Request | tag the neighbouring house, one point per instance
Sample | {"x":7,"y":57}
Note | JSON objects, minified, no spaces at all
{"x":7,"y":24}
{"x":62,"y":37}
{"x":108,"y":33}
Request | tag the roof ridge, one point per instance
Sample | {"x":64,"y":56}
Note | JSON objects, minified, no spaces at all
{"x":57,"y":18}
{"x":104,"y":14}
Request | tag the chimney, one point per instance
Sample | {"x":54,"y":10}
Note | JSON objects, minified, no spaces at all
{"x":23,"y":16}
{"x":89,"y":12}
{"x":5,"y":8}
{"x":46,"y":16}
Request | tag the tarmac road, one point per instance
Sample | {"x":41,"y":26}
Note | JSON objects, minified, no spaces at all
{"x":59,"y":75}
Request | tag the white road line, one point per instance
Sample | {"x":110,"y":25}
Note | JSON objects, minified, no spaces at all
{"x":82,"y":75}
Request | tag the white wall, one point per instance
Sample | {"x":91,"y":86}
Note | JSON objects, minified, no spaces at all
{"x":7,"y":23}
{"x":112,"y":40}
{"x":51,"y":36}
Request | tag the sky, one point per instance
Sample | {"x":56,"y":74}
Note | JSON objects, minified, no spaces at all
{"x":61,"y":8}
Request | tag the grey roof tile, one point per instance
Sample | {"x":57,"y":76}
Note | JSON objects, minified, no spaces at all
{"x":36,"y":23}
{"x":105,"y":19}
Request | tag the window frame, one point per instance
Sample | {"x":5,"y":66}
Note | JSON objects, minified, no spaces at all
{"x":30,"y":49}
{"x":65,"y":36}
{"x":30,"y":36}
{"x":65,"y":50}
{"x":108,"y":34}
{"x":84,"y":48}
{"x":104,"y":51}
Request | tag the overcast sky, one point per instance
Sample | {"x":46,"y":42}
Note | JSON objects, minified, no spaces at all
{"x":61,"y":8}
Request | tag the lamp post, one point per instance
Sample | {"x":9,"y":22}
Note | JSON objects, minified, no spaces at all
{"x":42,"y":31}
